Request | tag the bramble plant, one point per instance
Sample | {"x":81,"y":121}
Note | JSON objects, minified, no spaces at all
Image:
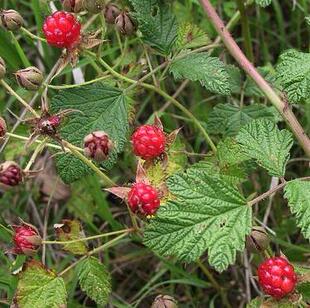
{"x":153,"y":155}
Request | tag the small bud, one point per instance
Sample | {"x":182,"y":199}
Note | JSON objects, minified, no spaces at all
{"x":75,"y":6}
{"x":29,"y":78}
{"x":124,"y":24}
{"x":94,"y":6}
{"x":11,"y":20}
{"x":10,"y":175}
{"x":110,"y":13}
{"x":258,"y":240}
{"x":3,"y":128}
{"x":164,"y":301}
{"x":27,"y":239}
{"x":97,"y":146}
{"x":2,"y":68}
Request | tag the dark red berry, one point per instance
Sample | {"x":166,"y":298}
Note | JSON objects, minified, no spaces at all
{"x":62,"y":30}
{"x":148,"y":141}
{"x":48,"y":125}
{"x":26,"y":239}
{"x":143,"y":199}
{"x":97,"y":146}
{"x":277,"y":277}
{"x":10,"y":174}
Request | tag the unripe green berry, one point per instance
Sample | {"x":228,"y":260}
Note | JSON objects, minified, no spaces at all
{"x":29,"y":78}
{"x":11,"y":20}
{"x":94,"y":6}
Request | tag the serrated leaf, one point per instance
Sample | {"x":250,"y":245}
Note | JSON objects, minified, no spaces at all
{"x":95,"y":280}
{"x":304,"y":290}
{"x":70,"y":230}
{"x":101,"y":108}
{"x":263,"y":3}
{"x":210,"y":71}
{"x":297,"y":193}
{"x":293,"y":73}
{"x":261,"y":302}
{"x":157,"y":24}
{"x":191,"y":36}
{"x":208,"y":214}
{"x":39,"y":287}
{"x":262,"y":140}
{"x":228,"y":119}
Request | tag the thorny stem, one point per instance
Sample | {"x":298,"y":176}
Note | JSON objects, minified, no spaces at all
{"x":88,"y":238}
{"x":89,"y":163}
{"x":214,"y":282}
{"x":94,"y":251}
{"x":248,"y":67}
{"x":22,"y":101}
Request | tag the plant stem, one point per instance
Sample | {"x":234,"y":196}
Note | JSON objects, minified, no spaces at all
{"x":88,"y":238}
{"x":214,"y":283}
{"x":22,"y":101}
{"x":31,"y":35}
{"x":89,"y":163}
{"x":36,"y":152}
{"x":94,"y":251}
{"x":20,"y":51}
{"x":248,"y":67}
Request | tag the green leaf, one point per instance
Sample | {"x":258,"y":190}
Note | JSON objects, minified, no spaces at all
{"x":263,"y":3}
{"x":94,"y":280}
{"x":39,"y":287}
{"x":191,"y":36}
{"x":210,"y":71}
{"x":208,"y":214}
{"x":228,"y":119}
{"x":293,"y":73}
{"x":101,"y":108}
{"x":297,"y":193}
{"x":262,"y":140}
{"x":157,"y":24}
{"x":70,"y":230}
{"x":304,"y":290}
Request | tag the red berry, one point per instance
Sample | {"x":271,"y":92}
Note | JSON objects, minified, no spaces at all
{"x":10,"y":174}
{"x":62,"y":30}
{"x":97,"y":146}
{"x":144,"y":199}
{"x":148,"y":141}
{"x":277,"y":277}
{"x":26,"y":239}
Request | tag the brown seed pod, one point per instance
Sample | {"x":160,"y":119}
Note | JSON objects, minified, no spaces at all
{"x":124,"y":24}
{"x":2,"y":68}
{"x":164,"y":301}
{"x":3,"y":128}
{"x":11,"y":20}
{"x":75,"y":6}
{"x":258,"y":240}
{"x":110,"y":13}
{"x":29,"y":78}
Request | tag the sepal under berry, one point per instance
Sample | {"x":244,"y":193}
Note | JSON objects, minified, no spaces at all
{"x":11,"y":175}
{"x":27,"y":239}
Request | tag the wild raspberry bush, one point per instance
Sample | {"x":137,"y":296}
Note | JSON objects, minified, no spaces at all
{"x":154,"y":153}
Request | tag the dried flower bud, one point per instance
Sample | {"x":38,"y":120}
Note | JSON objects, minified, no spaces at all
{"x":124,"y":24}
{"x":94,"y":6}
{"x":258,"y":240}
{"x":75,"y":6}
{"x":97,"y":146}
{"x":29,"y":78}
{"x":27,"y":239}
{"x":164,"y":301}
{"x":10,"y":175}
{"x":2,"y":68}
{"x":3,"y":128}
{"x":11,"y":20}
{"x":110,"y":13}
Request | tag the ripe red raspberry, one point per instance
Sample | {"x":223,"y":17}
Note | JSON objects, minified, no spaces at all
{"x":148,"y":141}
{"x":97,"y":145}
{"x":62,"y":30}
{"x":26,"y":239}
{"x":277,"y":277}
{"x":144,"y":199}
{"x":10,"y":174}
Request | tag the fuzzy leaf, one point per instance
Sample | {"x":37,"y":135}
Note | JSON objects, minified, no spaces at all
{"x":263,"y":3}
{"x":95,"y":280}
{"x":210,"y":71}
{"x":293,"y":73}
{"x":70,"y":230}
{"x":262,"y":140}
{"x":208,"y":214}
{"x":102,"y":108}
{"x":39,"y":287}
{"x":157,"y":24}
{"x":228,"y":119}
{"x":297,"y":193}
